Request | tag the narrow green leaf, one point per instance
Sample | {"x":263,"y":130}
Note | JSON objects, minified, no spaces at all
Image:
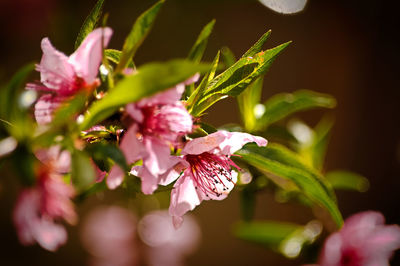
{"x":150,"y":79}
{"x":320,"y":141}
{"x":10,"y":93}
{"x":66,"y":113}
{"x":269,"y":233}
{"x":82,"y":174}
{"x":247,"y":102}
{"x":247,"y":204}
{"x":228,"y":57}
{"x":197,"y":51}
{"x":90,"y":22}
{"x":347,"y":180}
{"x":257,"y":47}
{"x":115,"y":56}
{"x":101,"y":151}
{"x":237,"y":78}
{"x":280,"y":162}
{"x":140,"y":30}
{"x":282,"y":105}
{"x":199,"y":91}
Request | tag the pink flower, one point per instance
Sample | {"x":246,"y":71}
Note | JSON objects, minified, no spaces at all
{"x":63,"y":76}
{"x":364,"y":240}
{"x":208,"y":174}
{"x":165,"y":245}
{"x":38,"y":208}
{"x":159,"y":123}
{"x":108,"y":234}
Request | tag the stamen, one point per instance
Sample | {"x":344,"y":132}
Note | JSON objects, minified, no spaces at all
{"x":212,"y":173}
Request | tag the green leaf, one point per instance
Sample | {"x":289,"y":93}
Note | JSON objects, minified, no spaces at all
{"x":347,"y":180}
{"x":82,"y":174}
{"x":278,"y":161}
{"x":199,"y":91}
{"x":139,"y":31}
{"x":150,"y":79}
{"x":286,"y":238}
{"x":228,"y":57}
{"x":90,"y":23}
{"x":115,"y":56}
{"x":93,"y":189}
{"x":247,"y":102}
{"x":66,"y":113}
{"x":257,"y":47}
{"x":247,"y":203}
{"x":320,"y":141}
{"x":267,"y":233}
{"x":282,"y":105}
{"x":101,"y":151}
{"x":237,"y":78}
{"x":197,"y":51}
{"x":10,"y":93}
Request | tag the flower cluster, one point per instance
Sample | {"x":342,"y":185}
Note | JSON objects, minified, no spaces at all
{"x":157,"y":128}
{"x":100,"y":122}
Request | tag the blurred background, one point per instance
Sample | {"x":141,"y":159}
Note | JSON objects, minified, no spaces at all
{"x":345,"y":48}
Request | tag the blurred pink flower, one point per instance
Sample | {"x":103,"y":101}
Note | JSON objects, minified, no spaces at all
{"x":168,"y":246}
{"x":38,"y":208}
{"x":364,"y":240}
{"x":108,"y":234}
{"x":64,"y":76}
{"x":207,"y":173}
{"x":159,"y":122}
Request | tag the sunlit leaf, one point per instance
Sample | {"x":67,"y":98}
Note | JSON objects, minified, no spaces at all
{"x":197,"y":51}
{"x":90,"y":22}
{"x":347,"y":180}
{"x":199,"y":91}
{"x":9,"y":93}
{"x":236,"y":78}
{"x":101,"y":151}
{"x":82,"y":174}
{"x":257,"y":47}
{"x":228,"y":57}
{"x":150,"y":79}
{"x":269,"y":233}
{"x":276,"y":160}
{"x":282,"y":105}
{"x":115,"y":56}
{"x":247,"y":102}
{"x":139,"y":31}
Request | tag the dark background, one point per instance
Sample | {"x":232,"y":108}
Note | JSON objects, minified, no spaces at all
{"x":346,"y":48}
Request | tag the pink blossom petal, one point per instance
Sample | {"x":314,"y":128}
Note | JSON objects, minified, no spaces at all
{"x":363,"y":240}
{"x":132,"y":148}
{"x":184,"y":198}
{"x":115,"y":177}
{"x":59,"y":159}
{"x":149,"y":181}
{"x":134,"y":112}
{"x":87,"y":58}
{"x":173,"y":173}
{"x":45,"y":108}
{"x":50,"y":235}
{"x":236,"y":140}
{"x":205,"y":144}
{"x":178,"y":118}
{"x":158,"y":159}
{"x":54,"y":67}
{"x":31,"y":227}
{"x":227,"y":142}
